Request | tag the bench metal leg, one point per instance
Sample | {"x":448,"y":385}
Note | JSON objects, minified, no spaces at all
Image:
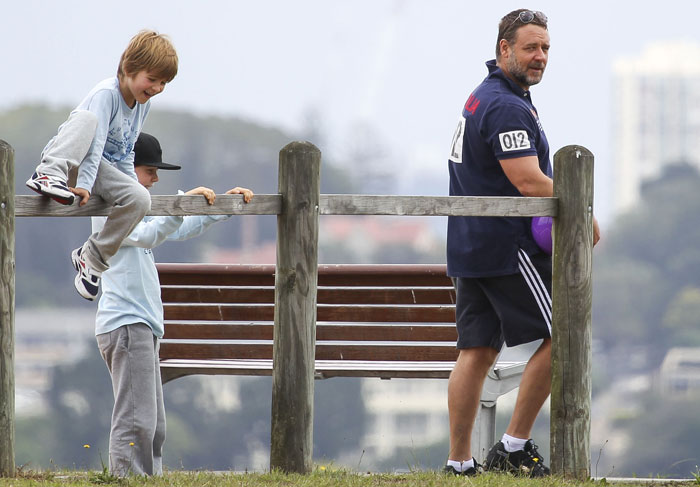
{"x":484,"y":432}
{"x":503,"y":379}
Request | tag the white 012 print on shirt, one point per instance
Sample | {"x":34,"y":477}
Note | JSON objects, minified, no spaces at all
{"x":514,"y":140}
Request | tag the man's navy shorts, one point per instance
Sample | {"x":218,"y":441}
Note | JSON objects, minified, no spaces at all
{"x":514,"y":309}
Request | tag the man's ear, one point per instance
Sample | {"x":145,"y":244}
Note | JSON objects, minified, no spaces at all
{"x":504,"y":47}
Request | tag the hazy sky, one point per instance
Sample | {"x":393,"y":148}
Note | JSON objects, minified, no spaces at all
{"x":403,"y":67}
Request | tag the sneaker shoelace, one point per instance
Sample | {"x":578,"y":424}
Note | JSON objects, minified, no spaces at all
{"x":535,"y":461}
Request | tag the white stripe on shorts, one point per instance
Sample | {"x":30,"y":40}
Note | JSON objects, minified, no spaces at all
{"x":539,"y":291}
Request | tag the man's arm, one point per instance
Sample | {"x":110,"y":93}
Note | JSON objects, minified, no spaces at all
{"x":525,"y":174}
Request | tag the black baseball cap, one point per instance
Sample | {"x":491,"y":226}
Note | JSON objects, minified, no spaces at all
{"x":147,"y":152}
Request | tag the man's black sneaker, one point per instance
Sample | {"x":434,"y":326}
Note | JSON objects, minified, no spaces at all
{"x":527,"y":462}
{"x":470,"y":472}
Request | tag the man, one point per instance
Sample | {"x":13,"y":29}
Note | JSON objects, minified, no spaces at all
{"x":503,"y":279}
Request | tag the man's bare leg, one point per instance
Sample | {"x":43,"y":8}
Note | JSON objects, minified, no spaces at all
{"x":463,"y":394}
{"x":535,"y":387}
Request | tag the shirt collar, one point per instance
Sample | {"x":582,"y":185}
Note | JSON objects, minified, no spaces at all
{"x":496,"y":72}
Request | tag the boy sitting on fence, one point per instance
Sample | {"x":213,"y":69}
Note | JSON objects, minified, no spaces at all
{"x":129,"y":322}
{"x":98,"y":139}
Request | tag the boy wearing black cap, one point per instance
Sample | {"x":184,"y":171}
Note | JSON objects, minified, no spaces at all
{"x":129,"y":322}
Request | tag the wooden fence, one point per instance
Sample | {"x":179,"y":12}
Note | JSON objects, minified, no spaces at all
{"x":298,"y":207}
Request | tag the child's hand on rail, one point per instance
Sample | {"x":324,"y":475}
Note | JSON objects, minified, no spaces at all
{"x":247,"y":194}
{"x":208,"y":193}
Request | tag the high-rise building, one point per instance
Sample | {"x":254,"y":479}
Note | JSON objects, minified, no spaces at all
{"x":656,"y":116}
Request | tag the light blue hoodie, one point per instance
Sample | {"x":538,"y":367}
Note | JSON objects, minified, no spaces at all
{"x":130,"y":287}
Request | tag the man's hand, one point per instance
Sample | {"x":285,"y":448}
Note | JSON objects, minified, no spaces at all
{"x":84,"y":194}
{"x":247,"y":194}
{"x":596,"y":231}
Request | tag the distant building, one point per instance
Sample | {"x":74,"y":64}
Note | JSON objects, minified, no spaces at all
{"x":371,"y":237}
{"x":403,"y":413}
{"x":680,"y":371}
{"x":363,"y":239}
{"x":656,"y":116}
{"x":45,"y":339}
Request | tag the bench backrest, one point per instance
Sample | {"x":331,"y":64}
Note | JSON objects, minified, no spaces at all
{"x":364,"y":312}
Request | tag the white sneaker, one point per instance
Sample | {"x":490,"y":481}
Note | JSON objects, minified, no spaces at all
{"x":87,"y":282}
{"x":51,"y":186}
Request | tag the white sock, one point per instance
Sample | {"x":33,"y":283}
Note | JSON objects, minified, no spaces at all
{"x":461,"y":466}
{"x":512,"y":443}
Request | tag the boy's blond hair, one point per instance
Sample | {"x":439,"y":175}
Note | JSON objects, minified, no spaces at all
{"x":149,"y":51}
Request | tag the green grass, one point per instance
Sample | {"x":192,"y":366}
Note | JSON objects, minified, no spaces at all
{"x":321,"y":477}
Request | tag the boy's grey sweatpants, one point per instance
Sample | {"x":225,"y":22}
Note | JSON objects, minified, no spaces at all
{"x":138,"y":420}
{"x":129,"y":200}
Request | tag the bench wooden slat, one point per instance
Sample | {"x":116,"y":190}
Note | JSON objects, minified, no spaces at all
{"x":325,"y":295}
{"x":377,"y":279}
{"x":216,"y":275}
{"x":391,"y":314}
{"x":328,"y":275}
{"x":220,"y":312}
{"x":325,"y":350}
{"x":324,"y":331}
{"x":218,"y":331}
{"x":173,"y":368}
{"x":217,"y":294}
{"x":359,"y":313}
{"x":324,"y":369}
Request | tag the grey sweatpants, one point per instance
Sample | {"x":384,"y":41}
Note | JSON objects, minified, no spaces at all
{"x":138,"y":420}
{"x":129,"y":199}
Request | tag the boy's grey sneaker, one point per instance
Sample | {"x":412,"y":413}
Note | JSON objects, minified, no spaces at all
{"x":527,"y":462}
{"x":470,"y":472}
{"x":51,"y":186}
{"x":87,"y":282}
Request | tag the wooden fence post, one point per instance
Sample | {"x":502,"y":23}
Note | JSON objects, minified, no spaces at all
{"x":7,"y":310}
{"x":296,"y":276}
{"x":571,"y":314}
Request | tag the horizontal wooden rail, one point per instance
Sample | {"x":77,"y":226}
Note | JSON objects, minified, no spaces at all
{"x":363,"y":204}
{"x":330,"y":204}
{"x":172,"y":205}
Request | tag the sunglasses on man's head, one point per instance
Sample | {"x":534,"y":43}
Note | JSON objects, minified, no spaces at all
{"x":527,"y":16}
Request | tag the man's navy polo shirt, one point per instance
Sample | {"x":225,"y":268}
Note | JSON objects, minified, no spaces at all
{"x":498,"y":122}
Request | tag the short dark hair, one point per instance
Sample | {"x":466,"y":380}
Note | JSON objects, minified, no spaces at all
{"x":509,"y":25}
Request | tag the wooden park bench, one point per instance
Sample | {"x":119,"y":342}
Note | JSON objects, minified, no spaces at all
{"x":386,"y":321}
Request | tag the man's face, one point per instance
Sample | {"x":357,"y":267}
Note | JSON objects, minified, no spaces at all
{"x":147,"y":175}
{"x":525,"y":60}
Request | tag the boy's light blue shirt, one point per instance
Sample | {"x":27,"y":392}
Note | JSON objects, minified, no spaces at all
{"x":130,"y":287}
{"x":118,"y":127}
